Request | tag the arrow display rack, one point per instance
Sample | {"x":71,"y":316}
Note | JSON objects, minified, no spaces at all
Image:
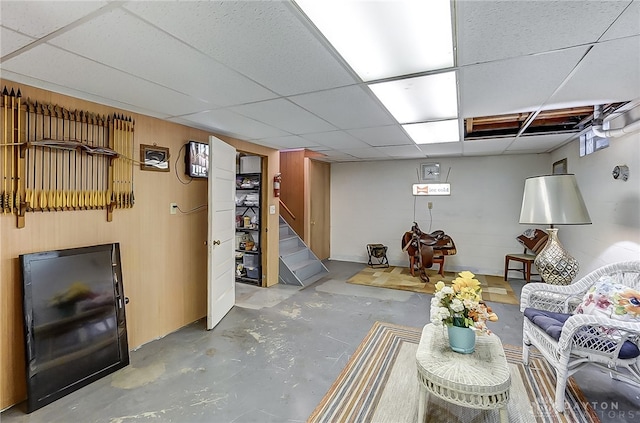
{"x":55,"y":159}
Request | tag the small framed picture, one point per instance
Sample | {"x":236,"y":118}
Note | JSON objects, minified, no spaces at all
{"x":154,"y":158}
{"x":560,"y":167}
{"x":430,"y":172}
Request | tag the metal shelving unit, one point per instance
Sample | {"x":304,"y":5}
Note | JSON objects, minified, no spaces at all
{"x":248,"y":242}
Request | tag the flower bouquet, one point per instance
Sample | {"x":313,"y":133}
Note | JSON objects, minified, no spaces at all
{"x":461,"y":304}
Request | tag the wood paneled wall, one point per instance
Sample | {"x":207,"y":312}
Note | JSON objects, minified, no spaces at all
{"x":305,"y":190}
{"x":319,"y":215}
{"x":163,"y":255}
{"x":292,"y":188}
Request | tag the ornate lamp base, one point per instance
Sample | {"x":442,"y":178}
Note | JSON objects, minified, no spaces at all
{"x":554,"y":263}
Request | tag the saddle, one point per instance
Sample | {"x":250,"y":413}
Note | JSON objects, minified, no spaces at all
{"x":422,"y":247}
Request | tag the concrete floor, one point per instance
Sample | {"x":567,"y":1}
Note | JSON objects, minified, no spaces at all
{"x":273,"y":357}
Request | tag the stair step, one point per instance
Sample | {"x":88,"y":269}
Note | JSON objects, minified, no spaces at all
{"x":307,"y":268}
{"x":285,"y":230}
{"x":288,"y":237}
{"x":301,"y":265}
{"x":298,"y":264}
{"x":311,"y":279}
{"x":288,"y":251}
{"x":303,"y":254}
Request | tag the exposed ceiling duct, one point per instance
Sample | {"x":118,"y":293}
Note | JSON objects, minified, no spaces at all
{"x":559,"y":121}
{"x":598,"y":121}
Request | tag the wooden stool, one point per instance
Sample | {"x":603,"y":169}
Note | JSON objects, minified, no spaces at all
{"x":533,"y":241}
{"x":525,"y":259}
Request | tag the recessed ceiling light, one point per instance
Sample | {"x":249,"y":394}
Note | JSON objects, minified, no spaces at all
{"x":429,"y":97}
{"x":434,"y":132}
{"x":381,"y":39}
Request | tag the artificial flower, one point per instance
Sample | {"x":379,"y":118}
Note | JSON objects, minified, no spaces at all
{"x":461,"y":304}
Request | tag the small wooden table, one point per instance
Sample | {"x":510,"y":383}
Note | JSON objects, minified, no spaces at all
{"x":479,"y":380}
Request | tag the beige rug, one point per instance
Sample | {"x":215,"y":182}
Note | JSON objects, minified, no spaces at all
{"x":379,"y":384}
{"x":494,"y":288}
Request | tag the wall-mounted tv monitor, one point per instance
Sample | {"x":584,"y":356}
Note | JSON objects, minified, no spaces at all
{"x":197,"y":159}
{"x":74,"y":320}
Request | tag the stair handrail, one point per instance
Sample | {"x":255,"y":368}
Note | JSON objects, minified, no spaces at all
{"x":287,"y":209}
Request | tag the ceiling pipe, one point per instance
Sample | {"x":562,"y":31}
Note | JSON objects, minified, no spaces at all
{"x":598,"y":120}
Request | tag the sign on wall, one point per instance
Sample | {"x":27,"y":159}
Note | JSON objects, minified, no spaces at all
{"x":432,"y":189}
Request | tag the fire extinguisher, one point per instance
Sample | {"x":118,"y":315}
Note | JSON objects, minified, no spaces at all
{"x":276,"y":184}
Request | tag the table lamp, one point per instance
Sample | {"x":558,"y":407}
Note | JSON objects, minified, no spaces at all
{"x":554,"y":200}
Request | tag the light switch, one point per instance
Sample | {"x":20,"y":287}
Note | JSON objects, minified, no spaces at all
{"x":272,"y":209}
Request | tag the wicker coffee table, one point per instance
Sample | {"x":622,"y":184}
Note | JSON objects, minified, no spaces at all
{"x":480,"y":380}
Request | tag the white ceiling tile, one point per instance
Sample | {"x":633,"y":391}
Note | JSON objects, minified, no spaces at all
{"x":40,"y":18}
{"x":290,"y":141}
{"x":540,"y":143}
{"x":68,"y":70}
{"x":444,"y":149}
{"x":11,"y":41}
{"x":619,"y":82}
{"x":626,"y":25}
{"x":175,"y":65}
{"x":488,"y":146}
{"x":261,"y":39}
{"x":402,"y":151}
{"x":514,"y":85}
{"x":379,"y":136}
{"x":346,"y":108}
{"x":335,"y":139}
{"x":366,"y":153}
{"x":493,"y":30}
{"x":233,"y":124}
{"x":336,"y":155}
{"x":285,"y":115}
{"x":247,"y":53}
{"x":72,"y":92}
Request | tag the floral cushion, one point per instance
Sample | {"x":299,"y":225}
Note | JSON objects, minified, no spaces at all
{"x":607,"y":298}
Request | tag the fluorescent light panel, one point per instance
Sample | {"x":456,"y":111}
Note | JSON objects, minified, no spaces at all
{"x":429,"y":97}
{"x":434,"y":132}
{"x":382,"y":39}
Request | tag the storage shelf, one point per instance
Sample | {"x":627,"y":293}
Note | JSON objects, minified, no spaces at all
{"x":245,"y":279}
{"x":252,"y":194}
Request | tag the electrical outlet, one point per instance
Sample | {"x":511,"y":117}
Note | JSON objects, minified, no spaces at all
{"x":430,"y":205}
{"x":173,"y":208}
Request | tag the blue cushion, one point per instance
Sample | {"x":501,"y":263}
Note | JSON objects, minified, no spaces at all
{"x":552,"y":324}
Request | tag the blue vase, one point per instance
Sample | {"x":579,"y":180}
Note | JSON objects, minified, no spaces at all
{"x":462,"y":340}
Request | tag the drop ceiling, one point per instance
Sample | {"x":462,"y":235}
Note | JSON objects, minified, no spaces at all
{"x":260,"y":71}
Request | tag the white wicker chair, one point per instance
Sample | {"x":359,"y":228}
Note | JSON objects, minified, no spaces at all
{"x":582,"y":340}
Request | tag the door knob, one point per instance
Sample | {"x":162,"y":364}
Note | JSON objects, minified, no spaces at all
{"x":216,"y":242}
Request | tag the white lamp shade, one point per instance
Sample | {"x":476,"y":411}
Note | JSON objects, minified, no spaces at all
{"x":553,"y":200}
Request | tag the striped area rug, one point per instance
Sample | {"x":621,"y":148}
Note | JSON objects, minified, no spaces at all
{"x":379,"y":384}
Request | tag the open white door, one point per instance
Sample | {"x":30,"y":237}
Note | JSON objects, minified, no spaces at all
{"x":221,"y":290}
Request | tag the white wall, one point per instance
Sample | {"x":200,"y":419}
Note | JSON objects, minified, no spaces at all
{"x":614,"y":205}
{"x":371,"y":202}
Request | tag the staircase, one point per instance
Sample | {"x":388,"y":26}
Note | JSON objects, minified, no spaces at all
{"x":298,"y":264}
